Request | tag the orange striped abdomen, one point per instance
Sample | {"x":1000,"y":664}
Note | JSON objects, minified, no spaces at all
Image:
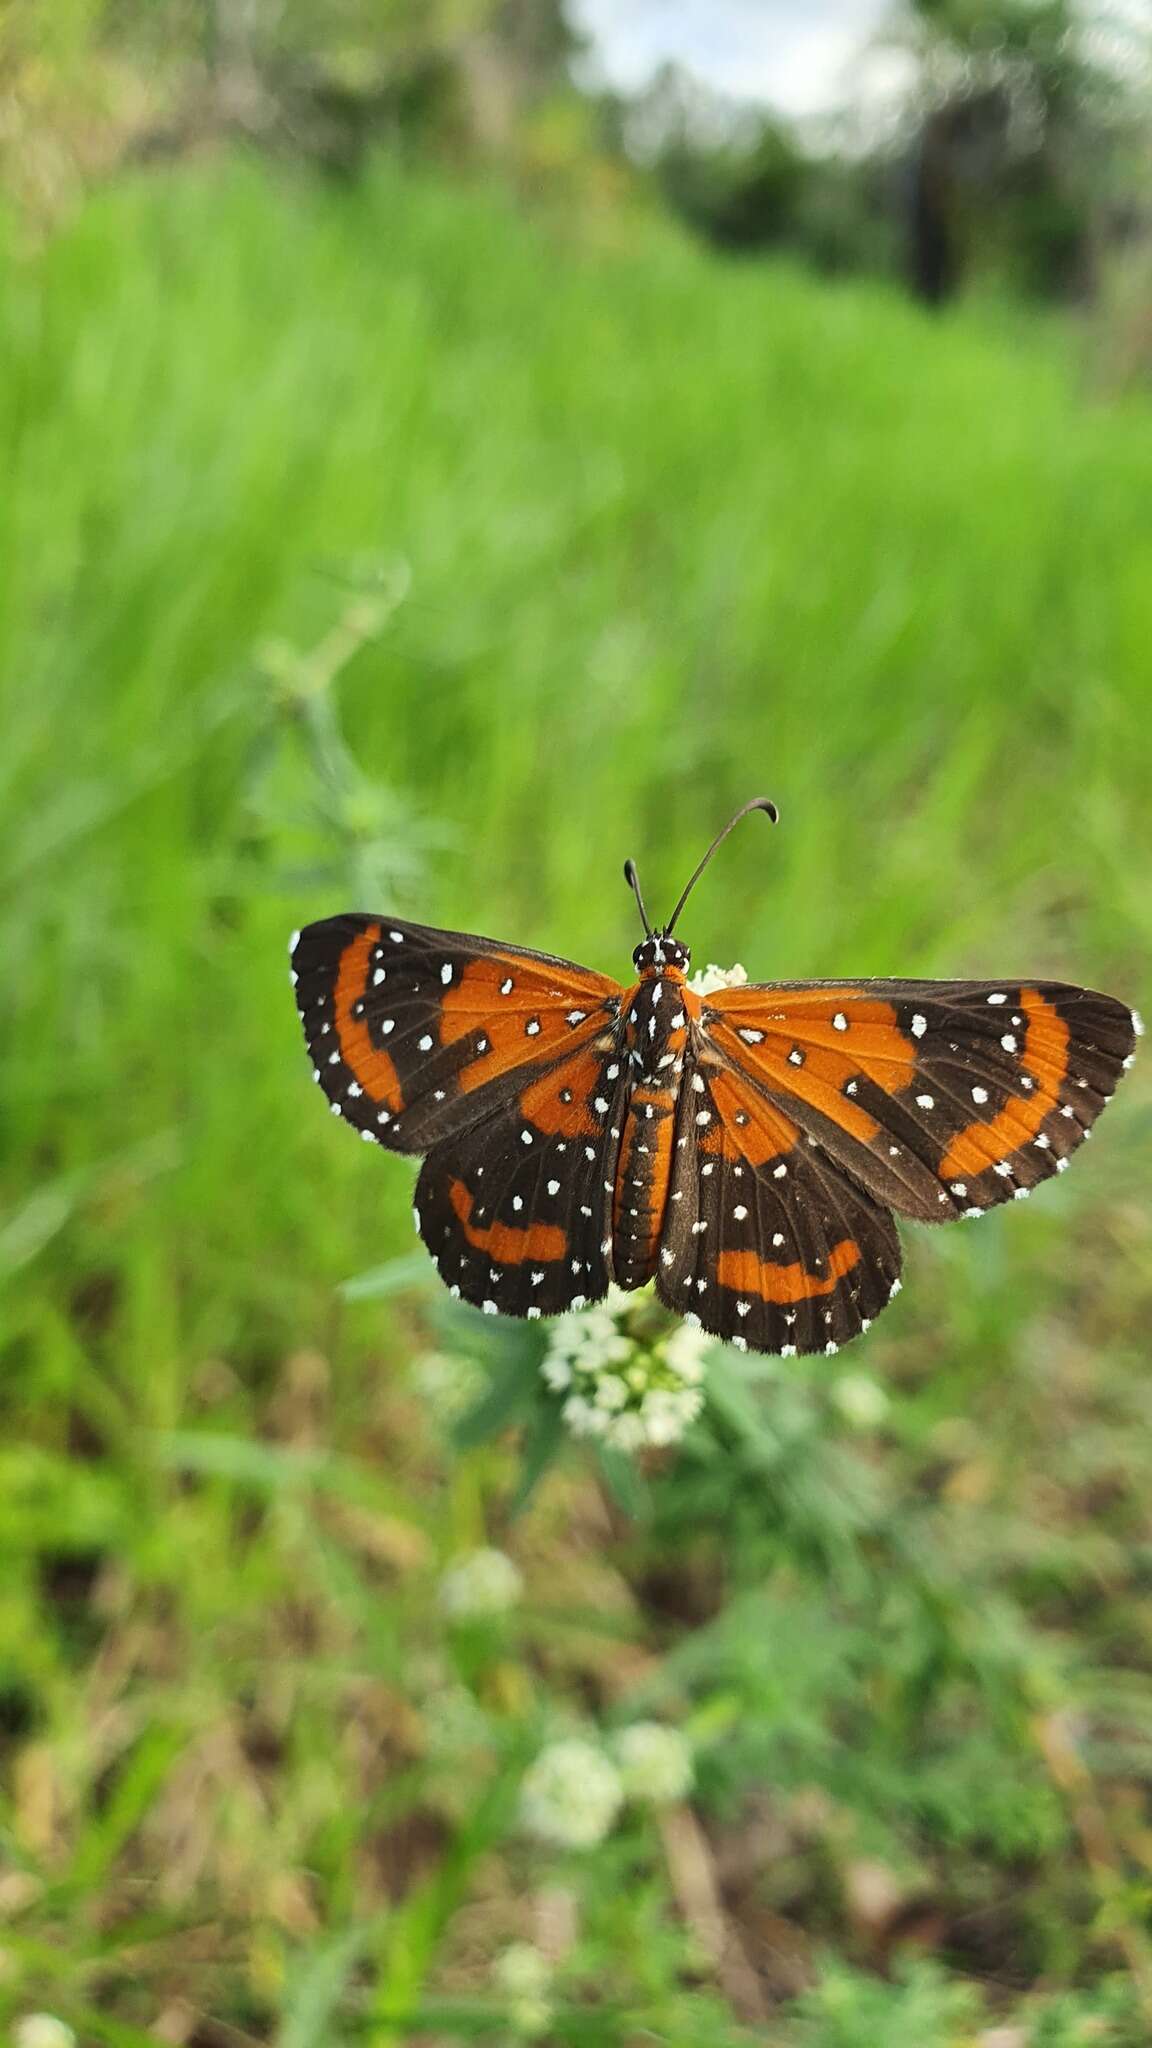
{"x":642,"y":1176}
{"x":655,"y":1020}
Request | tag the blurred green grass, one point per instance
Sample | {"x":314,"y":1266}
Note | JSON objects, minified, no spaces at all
{"x":610,"y":536}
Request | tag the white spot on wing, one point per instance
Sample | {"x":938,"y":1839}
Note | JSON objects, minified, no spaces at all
{"x":919,"y":1025}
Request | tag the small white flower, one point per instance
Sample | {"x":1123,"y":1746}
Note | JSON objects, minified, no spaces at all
{"x":444,"y":1381}
{"x":685,"y":1351}
{"x":571,"y":1794}
{"x":484,"y":1582}
{"x":524,"y":1976}
{"x":708,"y":979}
{"x":42,"y":2030}
{"x":861,"y":1400}
{"x":655,"y":1763}
{"x":624,"y":1381}
{"x":522,"y":1971}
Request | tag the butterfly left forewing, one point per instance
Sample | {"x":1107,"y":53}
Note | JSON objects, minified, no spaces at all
{"x":417,"y":1034}
{"x":941,"y":1098}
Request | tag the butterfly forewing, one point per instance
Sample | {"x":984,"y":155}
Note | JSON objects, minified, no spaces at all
{"x":417,"y":1034}
{"x":767,"y":1241}
{"x":941,"y":1098}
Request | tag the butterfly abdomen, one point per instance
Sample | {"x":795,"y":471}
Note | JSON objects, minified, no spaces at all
{"x":655,"y":1023}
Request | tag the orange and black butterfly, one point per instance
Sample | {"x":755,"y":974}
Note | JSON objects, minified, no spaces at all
{"x":746,"y":1149}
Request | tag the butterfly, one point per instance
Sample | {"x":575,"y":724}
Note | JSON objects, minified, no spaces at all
{"x":747,"y":1149}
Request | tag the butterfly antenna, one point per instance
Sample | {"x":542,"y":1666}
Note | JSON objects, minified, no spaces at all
{"x":633,"y":881}
{"x":757,"y":803}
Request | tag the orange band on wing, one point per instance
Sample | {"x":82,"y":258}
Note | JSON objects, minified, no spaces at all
{"x":764,"y":1133}
{"x":871,"y":1044}
{"x":502,"y":999}
{"x":1044,"y":1055}
{"x":371,"y":1066}
{"x":502,"y":1241}
{"x":542,"y":1103}
{"x":747,"y":1273}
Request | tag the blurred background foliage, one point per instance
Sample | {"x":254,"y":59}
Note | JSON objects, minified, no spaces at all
{"x":409,"y":500}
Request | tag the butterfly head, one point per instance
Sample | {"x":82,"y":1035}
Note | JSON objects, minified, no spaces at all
{"x":658,"y":952}
{"x":661,"y":954}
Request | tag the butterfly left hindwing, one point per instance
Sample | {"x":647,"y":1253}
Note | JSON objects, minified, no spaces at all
{"x":517,"y":1212}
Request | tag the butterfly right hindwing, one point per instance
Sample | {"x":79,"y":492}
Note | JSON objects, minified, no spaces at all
{"x":767,"y":1242}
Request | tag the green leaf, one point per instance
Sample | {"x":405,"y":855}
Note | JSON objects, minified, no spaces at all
{"x":395,"y":1277}
{"x":513,"y":1390}
{"x":544,"y":1438}
{"x":318,"y":1984}
{"x":623,"y":1481}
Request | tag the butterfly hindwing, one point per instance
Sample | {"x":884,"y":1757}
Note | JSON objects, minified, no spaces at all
{"x":517,"y":1212}
{"x":418,"y":1034}
{"x":941,"y":1098}
{"x":767,"y":1242}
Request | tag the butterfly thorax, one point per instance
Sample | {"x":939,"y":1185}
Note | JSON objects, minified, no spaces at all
{"x":655,"y":1023}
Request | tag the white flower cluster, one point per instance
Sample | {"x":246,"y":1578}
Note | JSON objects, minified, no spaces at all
{"x":479,"y":1585}
{"x":708,"y":979}
{"x":573,"y":1792}
{"x":655,"y":1763}
{"x":622,"y":1383}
